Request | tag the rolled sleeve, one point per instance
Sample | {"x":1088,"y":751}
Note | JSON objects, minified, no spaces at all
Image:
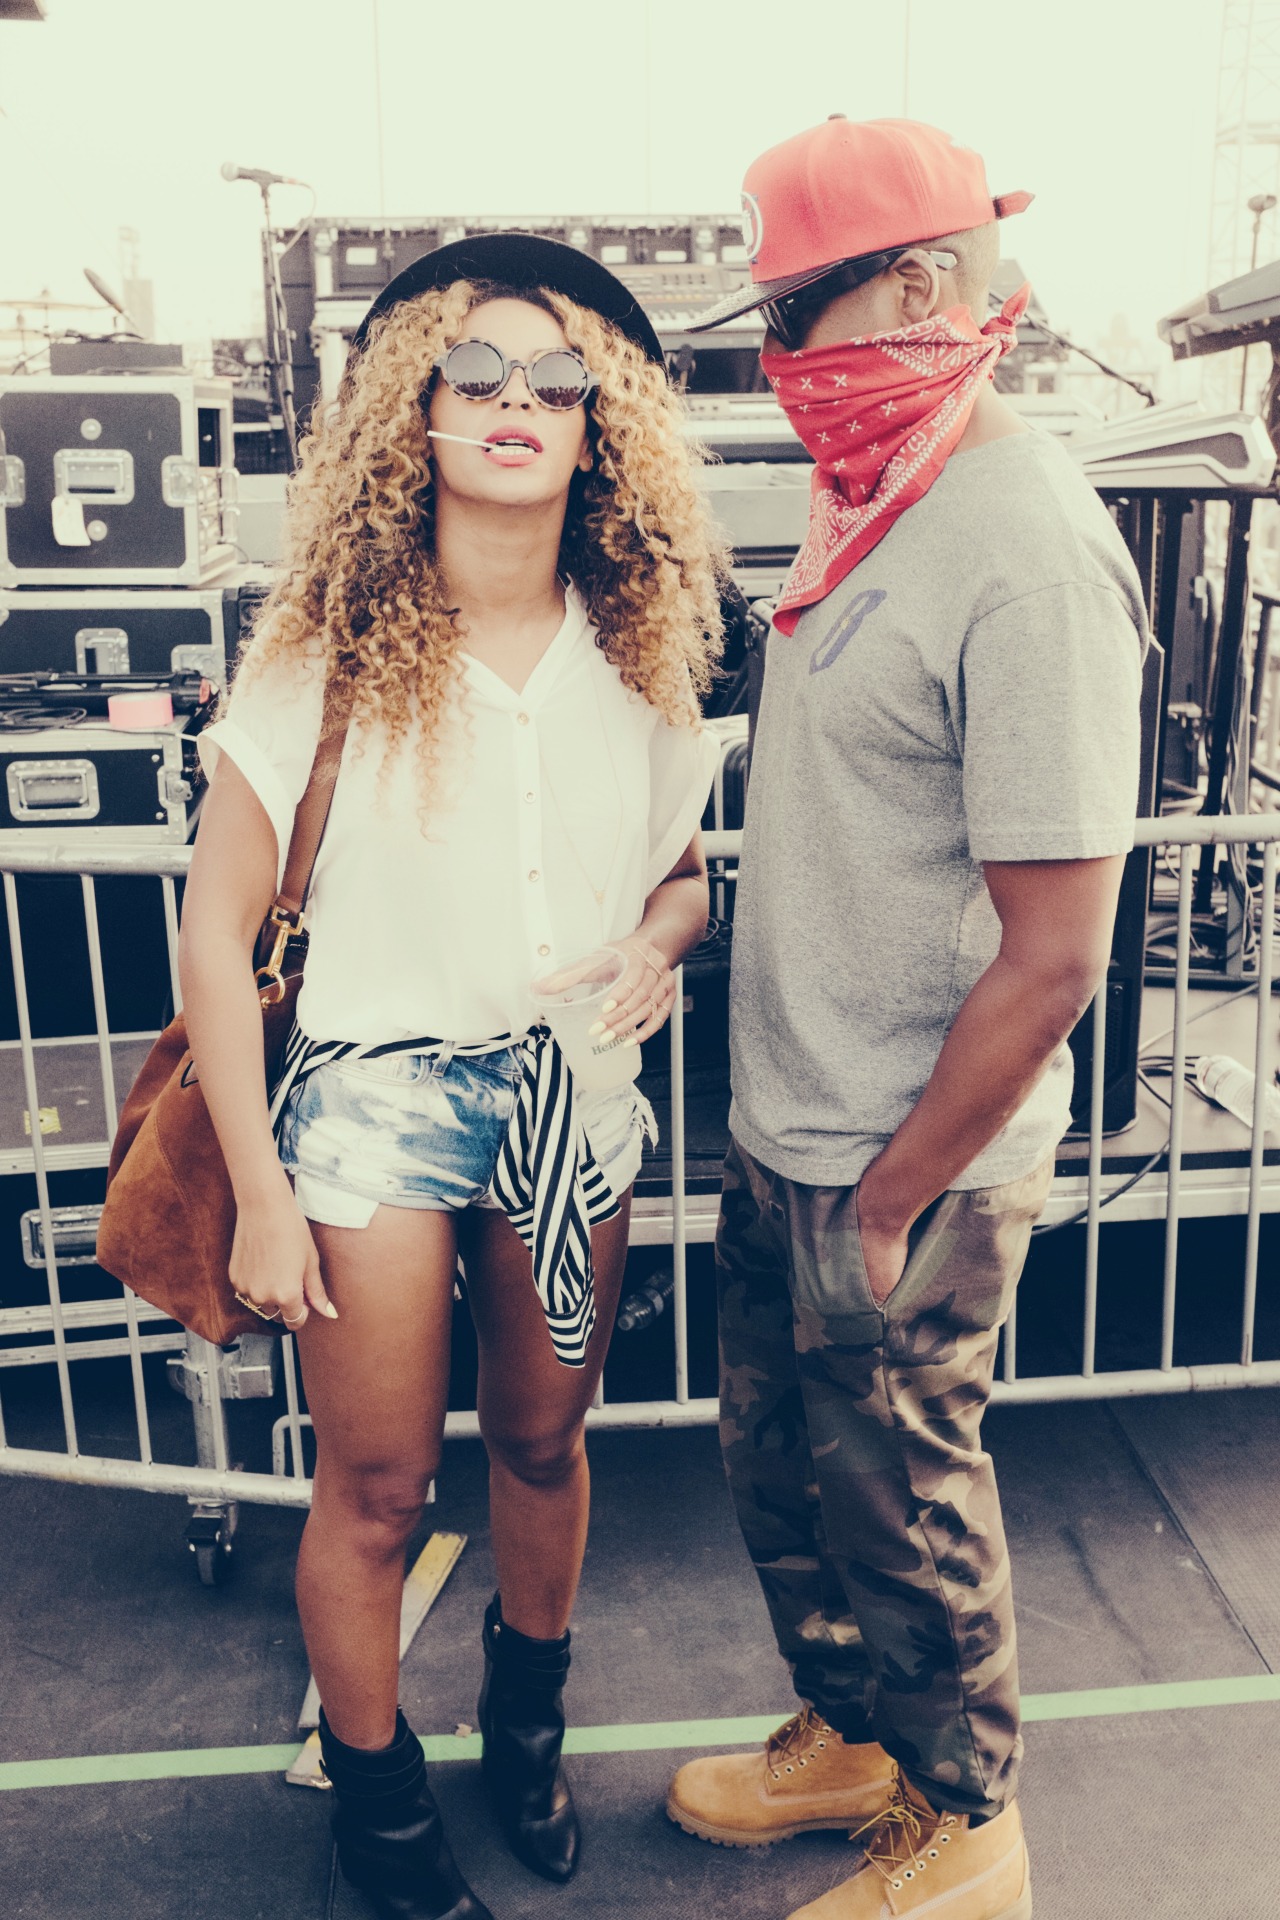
{"x":682,"y":765}
{"x":1048,"y":722}
{"x":271,"y":730}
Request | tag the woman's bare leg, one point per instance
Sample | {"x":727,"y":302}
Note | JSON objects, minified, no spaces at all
{"x":531,"y":1415}
{"x":377,"y":1383}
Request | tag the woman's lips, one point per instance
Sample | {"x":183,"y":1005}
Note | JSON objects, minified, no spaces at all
{"x":514,"y":447}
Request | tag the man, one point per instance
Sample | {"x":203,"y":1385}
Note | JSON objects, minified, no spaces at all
{"x":942,"y":794}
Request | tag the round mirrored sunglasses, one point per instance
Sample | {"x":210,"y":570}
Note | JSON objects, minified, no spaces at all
{"x":476,"y":369}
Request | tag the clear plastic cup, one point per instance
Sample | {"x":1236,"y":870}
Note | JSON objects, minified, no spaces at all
{"x":571,"y":1000}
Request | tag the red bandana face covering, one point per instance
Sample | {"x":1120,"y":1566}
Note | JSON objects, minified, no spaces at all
{"x":880,"y":415}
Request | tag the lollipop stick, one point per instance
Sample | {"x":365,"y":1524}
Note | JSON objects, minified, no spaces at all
{"x":461,"y":438}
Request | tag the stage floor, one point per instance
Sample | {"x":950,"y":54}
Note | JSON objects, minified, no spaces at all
{"x":1146,"y":1560}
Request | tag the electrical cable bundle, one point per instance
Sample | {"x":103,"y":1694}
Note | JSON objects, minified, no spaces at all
{"x":30,"y":718}
{"x":1161,"y":1066}
{"x":1240,"y":871}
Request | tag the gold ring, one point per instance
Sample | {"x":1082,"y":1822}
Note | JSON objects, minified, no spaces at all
{"x":245,"y":1302}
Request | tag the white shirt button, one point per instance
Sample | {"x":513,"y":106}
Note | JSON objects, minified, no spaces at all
{"x":522,"y":719}
{"x":534,"y":874}
{"x":530,"y":796}
{"x":544,"y":951}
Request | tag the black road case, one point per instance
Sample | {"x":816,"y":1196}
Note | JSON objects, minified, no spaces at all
{"x":94,"y":785}
{"x":115,"y":480}
{"x":155,"y":631}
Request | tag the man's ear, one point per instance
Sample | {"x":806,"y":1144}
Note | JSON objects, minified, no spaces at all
{"x":916,"y":283}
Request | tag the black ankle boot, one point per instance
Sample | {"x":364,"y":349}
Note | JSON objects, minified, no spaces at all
{"x":521,"y":1716}
{"x":389,"y":1833}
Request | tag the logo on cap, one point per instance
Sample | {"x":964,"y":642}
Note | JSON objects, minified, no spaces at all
{"x":752,"y":225}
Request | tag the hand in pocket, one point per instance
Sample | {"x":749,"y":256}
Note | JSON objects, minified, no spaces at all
{"x":884,"y":1251}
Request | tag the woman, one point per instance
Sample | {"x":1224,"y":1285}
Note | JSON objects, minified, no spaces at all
{"x":512,"y":633}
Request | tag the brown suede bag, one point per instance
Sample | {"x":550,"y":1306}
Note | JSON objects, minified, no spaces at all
{"x":170,"y":1215}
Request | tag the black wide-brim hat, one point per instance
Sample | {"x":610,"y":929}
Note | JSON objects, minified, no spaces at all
{"x":522,"y":260}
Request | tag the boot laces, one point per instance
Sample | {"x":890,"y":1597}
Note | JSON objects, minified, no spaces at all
{"x":906,"y":1838}
{"x":793,"y":1744}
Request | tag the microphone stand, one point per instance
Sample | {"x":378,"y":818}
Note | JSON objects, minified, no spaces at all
{"x":279,"y":342}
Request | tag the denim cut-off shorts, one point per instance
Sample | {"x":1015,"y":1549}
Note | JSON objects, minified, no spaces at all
{"x":425,"y":1131}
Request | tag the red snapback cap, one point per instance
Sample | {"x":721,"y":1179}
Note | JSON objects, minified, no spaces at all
{"x":852,"y":187}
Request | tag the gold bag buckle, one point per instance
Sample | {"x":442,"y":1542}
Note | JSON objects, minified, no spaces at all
{"x":269,"y":979}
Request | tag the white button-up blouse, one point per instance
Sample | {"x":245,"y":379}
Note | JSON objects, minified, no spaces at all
{"x":554,"y":814}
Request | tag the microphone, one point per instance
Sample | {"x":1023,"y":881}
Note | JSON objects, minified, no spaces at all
{"x":104,"y":292}
{"x":230,"y":171}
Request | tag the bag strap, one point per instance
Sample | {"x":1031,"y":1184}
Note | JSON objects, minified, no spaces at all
{"x":309,"y":824}
{"x":284,"y":919}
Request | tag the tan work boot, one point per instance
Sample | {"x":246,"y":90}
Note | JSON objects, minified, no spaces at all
{"x":922,"y":1861}
{"x":805,"y":1779}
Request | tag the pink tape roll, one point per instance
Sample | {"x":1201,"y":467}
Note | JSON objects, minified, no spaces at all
{"x":137,"y":712}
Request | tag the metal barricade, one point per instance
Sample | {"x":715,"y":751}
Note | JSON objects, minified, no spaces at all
{"x":209,"y":1376}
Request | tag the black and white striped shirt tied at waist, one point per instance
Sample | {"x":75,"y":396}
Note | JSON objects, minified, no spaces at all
{"x":546,"y":1180}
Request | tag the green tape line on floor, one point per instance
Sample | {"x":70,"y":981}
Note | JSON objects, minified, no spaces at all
{"x":652,"y":1737}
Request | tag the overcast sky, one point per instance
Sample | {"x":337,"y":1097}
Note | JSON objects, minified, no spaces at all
{"x":119,"y":113}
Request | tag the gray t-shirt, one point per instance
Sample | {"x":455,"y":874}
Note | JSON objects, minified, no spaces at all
{"x":968,"y":693}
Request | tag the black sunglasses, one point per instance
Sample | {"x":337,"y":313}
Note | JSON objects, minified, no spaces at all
{"x":791,"y":314}
{"x":558,"y":378}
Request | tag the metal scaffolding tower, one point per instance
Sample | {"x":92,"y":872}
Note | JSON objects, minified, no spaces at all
{"x":1246,"y":168}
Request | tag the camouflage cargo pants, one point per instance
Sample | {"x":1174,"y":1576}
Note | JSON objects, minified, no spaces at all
{"x":850,"y":1437}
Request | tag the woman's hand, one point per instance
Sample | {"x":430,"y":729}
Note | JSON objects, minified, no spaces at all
{"x":644,"y":996}
{"x":275,"y":1268}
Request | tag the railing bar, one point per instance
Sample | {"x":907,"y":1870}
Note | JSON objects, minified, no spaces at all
{"x":217,"y":1406}
{"x":148,"y":861}
{"x":1189,"y":830}
{"x":291,"y":1401}
{"x":1009,"y":1370}
{"x":101,"y":1019}
{"x":92,"y":1350}
{"x":1263,"y":1081}
{"x":1093,"y":1217}
{"x":1271,"y":757}
{"x":1206,"y":829}
{"x":170,"y":893}
{"x":139,"y":1380}
{"x":679,"y":1260}
{"x":38,"y":1159}
{"x":102,"y":1025}
{"x":1177,"y":1102}
{"x":75,"y":1313}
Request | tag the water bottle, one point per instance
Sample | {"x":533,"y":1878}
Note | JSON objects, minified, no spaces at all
{"x":647,"y":1302}
{"x":1229,"y":1084}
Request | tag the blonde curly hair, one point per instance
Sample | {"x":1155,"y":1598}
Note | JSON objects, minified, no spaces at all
{"x":361,"y":582}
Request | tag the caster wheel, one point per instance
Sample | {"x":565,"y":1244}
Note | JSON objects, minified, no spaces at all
{"x":213,"y":1565}
{"x":209,"y":1540}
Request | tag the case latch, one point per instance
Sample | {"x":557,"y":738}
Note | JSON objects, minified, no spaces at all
{"x":13,"y":481}
{"x":179,"y":481}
